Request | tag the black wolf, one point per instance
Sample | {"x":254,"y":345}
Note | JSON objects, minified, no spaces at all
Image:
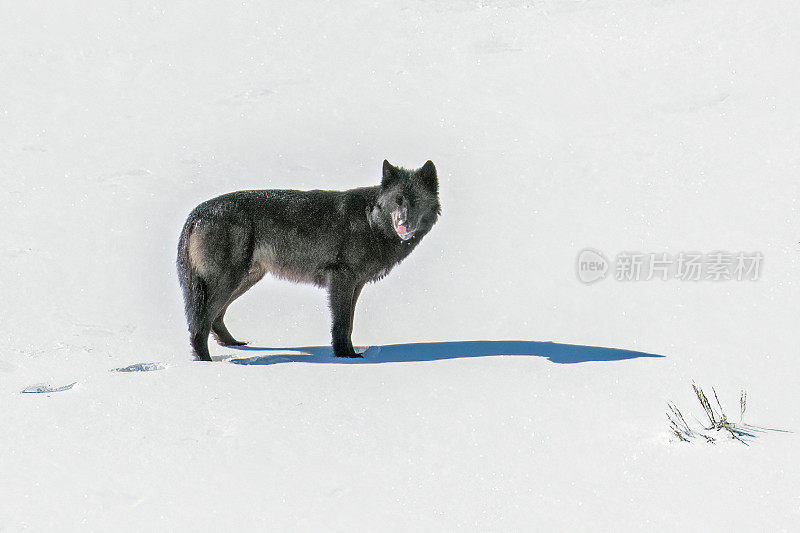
{"x":338,"y":240}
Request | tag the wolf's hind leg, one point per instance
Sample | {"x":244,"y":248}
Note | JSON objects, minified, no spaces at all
{"x":207,"y":307}
{"x":199,"y":340}
{"x":221,"y":333}
{"x":218,"y":328}
{"x":202,"y":328}
{"x":195,"y":293}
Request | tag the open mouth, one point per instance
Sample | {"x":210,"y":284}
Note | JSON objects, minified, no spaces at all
{"x":402,"y":232}
{"x":401,"y":226}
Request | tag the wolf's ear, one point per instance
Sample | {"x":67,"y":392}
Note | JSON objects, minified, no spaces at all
{"x":427,"y":174}
{"x":389,"y":173}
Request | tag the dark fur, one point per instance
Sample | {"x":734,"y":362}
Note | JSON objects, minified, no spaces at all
{"x":339,"y":240}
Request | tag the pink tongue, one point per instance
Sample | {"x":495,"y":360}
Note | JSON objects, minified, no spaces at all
{"x":402,"y":230}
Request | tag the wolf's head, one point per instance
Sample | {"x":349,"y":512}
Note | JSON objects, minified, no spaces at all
{"x":408,"y":203}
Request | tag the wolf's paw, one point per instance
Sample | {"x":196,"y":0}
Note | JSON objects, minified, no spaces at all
{"x":228,"y":341}
{"x":233,"y":343}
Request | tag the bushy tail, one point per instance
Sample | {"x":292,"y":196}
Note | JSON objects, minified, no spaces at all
{"x":193,"y":287}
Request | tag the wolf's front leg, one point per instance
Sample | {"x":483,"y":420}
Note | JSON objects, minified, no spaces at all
{"x":341,"y":292}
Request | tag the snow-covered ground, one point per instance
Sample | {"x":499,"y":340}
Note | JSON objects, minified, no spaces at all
{"x":622,"y":125}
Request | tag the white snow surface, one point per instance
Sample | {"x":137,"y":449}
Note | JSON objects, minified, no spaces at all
{"x":621,"y":125}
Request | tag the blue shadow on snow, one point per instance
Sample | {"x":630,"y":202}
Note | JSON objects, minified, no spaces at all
{"x":435,"y":351}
